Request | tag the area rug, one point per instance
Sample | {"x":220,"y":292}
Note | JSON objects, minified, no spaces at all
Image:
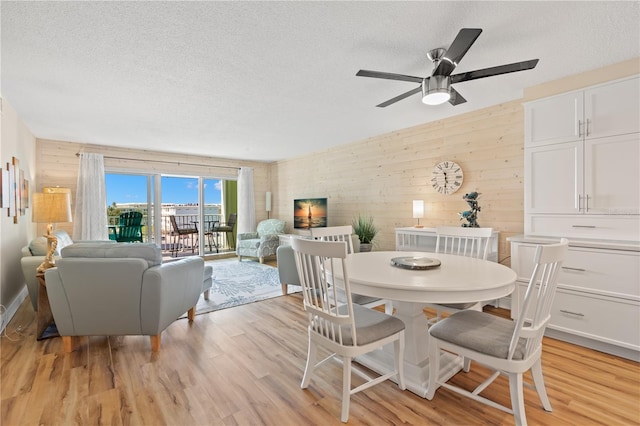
{"x":238,"y":283}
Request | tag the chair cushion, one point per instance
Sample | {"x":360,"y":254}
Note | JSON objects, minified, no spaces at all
{"x":270,"y":226}
{"x":358,"y":299}
{"x":479,"y":331}
{"x":458,"y":305}
{"x":371,"y":325}
{"x":147,"y":251}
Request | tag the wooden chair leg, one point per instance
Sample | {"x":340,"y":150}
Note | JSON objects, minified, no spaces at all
{"x":67,"y":342}
{"x":285,"y":289}
{"x":155,"y":342}
{"x":191,"y":314}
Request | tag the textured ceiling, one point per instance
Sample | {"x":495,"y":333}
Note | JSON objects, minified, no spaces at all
{"x":273,"y":80}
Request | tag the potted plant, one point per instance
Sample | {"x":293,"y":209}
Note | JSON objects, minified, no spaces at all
{"x":366,"y":231}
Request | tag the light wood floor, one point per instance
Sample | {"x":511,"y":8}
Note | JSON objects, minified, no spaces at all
{"x":243,"y":366}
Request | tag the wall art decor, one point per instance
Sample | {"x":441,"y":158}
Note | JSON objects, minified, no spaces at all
{"x":4,"y":200}
{"x":16,"y":189}
{"x":309,"y":213}
{"x":11,"y":210}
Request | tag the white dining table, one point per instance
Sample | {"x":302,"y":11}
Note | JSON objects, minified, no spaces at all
{"x":457,"y":279}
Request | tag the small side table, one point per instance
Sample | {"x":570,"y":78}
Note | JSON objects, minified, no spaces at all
{"x":44,"y":317}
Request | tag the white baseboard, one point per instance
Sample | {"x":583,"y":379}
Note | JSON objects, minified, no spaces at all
{"x":12,"y":309}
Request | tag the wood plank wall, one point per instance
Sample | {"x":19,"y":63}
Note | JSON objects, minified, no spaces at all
{"x":383,"y":174}
{"x":57,"y":165}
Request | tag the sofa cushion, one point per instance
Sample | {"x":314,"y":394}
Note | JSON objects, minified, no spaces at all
{"x":147,"y":251}
{"x":38,"y":246}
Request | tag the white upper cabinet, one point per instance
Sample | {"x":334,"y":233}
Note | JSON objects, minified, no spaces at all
{"x":612,"y":109}
{"x":605,"y":110}
{"x":553,"y":120}
{"x":612,"y":175}
{"x":554,"y":178}
{"x":582,"y":163}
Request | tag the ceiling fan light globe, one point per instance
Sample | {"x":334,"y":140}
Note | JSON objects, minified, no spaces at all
{"x":435,"y":90}
{"x":436,"y":97}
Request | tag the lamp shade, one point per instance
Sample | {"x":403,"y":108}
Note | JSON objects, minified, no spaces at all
{"x":51,"y":207}
{"x":268,"y":201}
{"x":418,"y":209}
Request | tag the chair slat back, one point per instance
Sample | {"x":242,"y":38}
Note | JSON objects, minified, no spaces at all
{"x":316,"y":262}
{"x":130,"y":227}
{"x":541,"y":290}
{"x":231,"y":222}
{"x":335,"y":233}
{"x":463,"y":241}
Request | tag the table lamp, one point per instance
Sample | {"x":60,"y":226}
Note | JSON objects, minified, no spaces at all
{"x":418,"y":212}
{"x":52,"y":205}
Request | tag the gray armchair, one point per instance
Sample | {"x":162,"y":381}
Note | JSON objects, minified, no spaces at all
{"x":105,"y":289}
{"x":264,"y":242}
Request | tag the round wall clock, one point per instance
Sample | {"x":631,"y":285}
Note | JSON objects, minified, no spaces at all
{"x":446,"y":177}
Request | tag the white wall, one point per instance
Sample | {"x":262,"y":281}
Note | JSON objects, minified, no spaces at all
{"x":17,"y":141}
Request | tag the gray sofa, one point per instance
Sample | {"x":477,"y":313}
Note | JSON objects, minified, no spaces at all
{"x":103,"y":289}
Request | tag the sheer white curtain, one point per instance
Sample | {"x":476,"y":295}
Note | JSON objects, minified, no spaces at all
{"x":246,"y":221}
{"x":90,"y":219}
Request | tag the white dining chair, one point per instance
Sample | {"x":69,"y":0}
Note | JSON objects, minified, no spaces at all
{"x":460,"y":241}
{"x":505,"y":346}
{"x":345,"y":329}
{"x":344,"y":233}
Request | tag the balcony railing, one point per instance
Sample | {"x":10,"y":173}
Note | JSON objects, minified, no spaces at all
{"x":174,"y":243}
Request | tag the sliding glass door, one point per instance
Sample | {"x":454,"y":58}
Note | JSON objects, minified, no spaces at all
{"x":130,"y":193}
{"x":187,"y":210}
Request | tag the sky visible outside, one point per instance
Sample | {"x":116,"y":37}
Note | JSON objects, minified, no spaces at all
{"x":133,"y":189}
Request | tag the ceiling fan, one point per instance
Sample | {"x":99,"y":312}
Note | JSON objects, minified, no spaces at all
{"x":436,"y":89}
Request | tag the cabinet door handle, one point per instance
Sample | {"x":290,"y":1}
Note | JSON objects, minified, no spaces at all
{"x":583,"y":226}
{"x":587,"y":127}
{"x":573,"y":269}
{"x":579,"y":128}
{"x":578,"y":314}
{"x":579,"y":202}
{"x":586,"y":198}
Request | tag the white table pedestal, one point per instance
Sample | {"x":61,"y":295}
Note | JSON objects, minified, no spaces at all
{"x":416,"y":357}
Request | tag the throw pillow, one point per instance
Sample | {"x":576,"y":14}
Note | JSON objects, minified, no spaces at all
{"x":38,"y":246}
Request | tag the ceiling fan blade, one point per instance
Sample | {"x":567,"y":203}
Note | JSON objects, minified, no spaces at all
{"x":389,"y":76}
{"x":400,"y":97}
{"x":489,"y":72}
{"x":456,"y":97}
{"x":461,"y":44}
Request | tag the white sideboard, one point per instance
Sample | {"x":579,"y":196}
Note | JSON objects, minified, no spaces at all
{"x":597,"y":303}
{"x":424,"y":239}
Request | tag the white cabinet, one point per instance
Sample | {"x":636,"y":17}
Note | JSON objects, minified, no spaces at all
{"x":553,"y":177}
{"x":582,"y":157}
{"x":599,"y":111}
{"x":597,"y":176}
{"x":612,"y":175}
{"x":597,"y":303}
